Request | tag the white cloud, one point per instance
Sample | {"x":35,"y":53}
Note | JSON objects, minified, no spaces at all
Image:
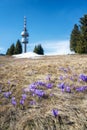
{"x":53,"y":47}
{"x":2,"y":50}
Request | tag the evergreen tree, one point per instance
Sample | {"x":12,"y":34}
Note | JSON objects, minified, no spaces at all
{"x":8,"y":51}
{"x":39,"y":50}
{"x":11,"y":50}
{"x":18,"y":48}
{"x":80,"y":48}
{"x":74,"y":38}
{"x":78,"y":39}
{"x":83,"y":29}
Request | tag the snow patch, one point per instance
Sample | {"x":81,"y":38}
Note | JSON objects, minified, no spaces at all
{"x":31,"y":55}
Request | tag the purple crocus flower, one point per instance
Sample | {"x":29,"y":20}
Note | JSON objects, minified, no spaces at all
{"x":13,"y":101}
{"x":32,"y":87}
{"x":64,"y":69}
{"x":40,"y":83}
{"x":24,"y":96}
{"x":71,"y":78}
{"x":83,"y":77}
{"x":40,"y":93}
{"x":22,"y":102}
{"x":7,"y":94}
{"x":13,"y":98}
{"x":49,"y":85}
{"x":68,"y":89}
{"x":81,"y":89}
{"x":55,"y":112}
{"x":32,"y":102}
{"x":61,"y":77}
{"x":61,"y":85}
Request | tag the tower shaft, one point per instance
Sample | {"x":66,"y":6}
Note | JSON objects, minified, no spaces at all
{"x":25,"y":48}
{"x":25,"y":36}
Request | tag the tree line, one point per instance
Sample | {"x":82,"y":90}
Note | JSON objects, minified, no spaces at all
{"x":17,"y":49}
{"x":78,"y":37}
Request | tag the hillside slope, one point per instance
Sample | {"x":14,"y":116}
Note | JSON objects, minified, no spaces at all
{"x":49,"y":93}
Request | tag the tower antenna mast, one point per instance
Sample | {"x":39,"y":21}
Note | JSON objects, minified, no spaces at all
{"x":25,"y":36}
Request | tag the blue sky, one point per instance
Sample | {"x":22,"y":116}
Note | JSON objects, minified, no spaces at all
{"x":49,"y":22}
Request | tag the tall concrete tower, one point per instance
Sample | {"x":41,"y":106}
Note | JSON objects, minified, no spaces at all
{"x":25,"y":36}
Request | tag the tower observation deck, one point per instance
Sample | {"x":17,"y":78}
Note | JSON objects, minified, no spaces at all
{"x":25,"y":36}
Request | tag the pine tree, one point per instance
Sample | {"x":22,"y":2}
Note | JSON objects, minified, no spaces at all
{"x":74,"y":38}
{"x":18,"y":48}
{"x":8,"y":51}
{"x":11,"y":50}
{"x":83,"y":29}
{"x":78,"y":38}
{"x":39,"y":50}
{"x":80,"y":48}
{"x":14,"y":49}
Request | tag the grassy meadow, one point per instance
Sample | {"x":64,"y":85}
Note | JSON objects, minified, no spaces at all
{"x":30,"y":89}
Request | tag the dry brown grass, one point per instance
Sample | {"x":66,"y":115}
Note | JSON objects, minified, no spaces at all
{"x":22,"y":72}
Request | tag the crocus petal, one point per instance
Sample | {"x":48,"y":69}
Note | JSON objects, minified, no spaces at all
{"x":55,"y":112}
